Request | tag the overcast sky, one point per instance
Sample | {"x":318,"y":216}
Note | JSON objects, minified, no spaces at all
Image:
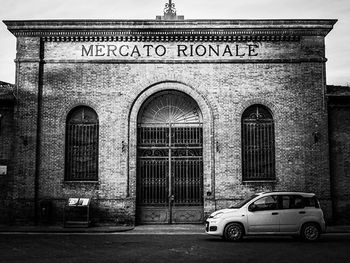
{"x":337,"y":42}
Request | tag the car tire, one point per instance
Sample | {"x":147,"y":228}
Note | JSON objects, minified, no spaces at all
{"x":233,"y":232}
{"x":310,"y":232}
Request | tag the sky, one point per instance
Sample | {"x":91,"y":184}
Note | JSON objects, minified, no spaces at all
{"x":337,"y":41}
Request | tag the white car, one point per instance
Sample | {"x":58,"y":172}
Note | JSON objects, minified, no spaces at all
{"x":278,"y":213}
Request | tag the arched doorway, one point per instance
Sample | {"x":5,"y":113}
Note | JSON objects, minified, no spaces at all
{"x":170,"y":160}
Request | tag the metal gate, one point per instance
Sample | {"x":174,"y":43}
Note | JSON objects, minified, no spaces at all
{"x":170,"y":171}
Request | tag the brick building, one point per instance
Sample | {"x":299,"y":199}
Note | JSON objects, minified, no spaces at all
{"x":163,"y":121}
{"x":339,"y":140}
{"x":7,"y":100}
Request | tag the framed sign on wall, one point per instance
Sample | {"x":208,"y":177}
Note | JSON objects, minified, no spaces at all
{"x":3,"y":170}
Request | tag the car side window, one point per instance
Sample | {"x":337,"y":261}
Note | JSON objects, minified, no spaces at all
{"x":292,"y":202}
{"x":265,"y":203}
{"x":297,"y":202}
{"x":286,"y":200}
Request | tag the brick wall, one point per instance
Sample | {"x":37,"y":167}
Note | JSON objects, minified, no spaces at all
{"x":6,"y":149}
{"x":339,"y":127}
{"x":292,"y":91}
{"x":25,"y":129}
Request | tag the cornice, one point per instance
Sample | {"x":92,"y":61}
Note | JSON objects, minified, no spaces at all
{"x":151,"y":37}
{"x":156,"y":24}
{"x":169,"y":31}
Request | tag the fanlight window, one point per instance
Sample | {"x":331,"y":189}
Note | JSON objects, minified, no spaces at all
{"x":258,"y":144}
{"x":82,"y":145}
{"x":170,"y":107}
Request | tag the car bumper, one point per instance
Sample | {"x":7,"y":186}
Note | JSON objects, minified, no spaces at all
{"x":213,"y":227}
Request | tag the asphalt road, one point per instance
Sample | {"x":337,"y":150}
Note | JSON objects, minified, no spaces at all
{"x":102,"y":248}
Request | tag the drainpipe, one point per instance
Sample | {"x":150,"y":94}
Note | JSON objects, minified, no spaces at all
{"x":38,"y":133}
{"x":331,"y":166}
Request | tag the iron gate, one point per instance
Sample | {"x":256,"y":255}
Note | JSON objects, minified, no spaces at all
{"x":170,"y":173}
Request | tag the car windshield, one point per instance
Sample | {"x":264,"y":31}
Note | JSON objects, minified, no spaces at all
{"x":242,"y":203}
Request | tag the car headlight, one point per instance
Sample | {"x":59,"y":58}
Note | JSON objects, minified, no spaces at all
{"x":218,"y":215}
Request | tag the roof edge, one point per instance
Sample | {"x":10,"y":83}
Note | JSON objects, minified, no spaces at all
{"x":44,"y":28}
{"x":249,"y":23}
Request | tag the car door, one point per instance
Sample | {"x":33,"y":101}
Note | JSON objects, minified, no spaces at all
{"x":291,"y":213}
{"x":263,"y":215}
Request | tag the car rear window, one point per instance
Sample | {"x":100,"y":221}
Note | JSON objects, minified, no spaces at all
{"x":311,"y":202}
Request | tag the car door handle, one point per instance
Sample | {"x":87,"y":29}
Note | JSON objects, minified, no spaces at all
{"x":274,"y":213}
{"x":302,"y":212}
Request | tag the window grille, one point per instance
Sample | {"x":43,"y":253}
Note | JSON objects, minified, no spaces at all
{"x":82,"y":145}
{"x":258,"y":144}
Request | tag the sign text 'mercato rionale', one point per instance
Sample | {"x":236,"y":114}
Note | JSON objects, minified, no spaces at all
{"x":170,"y":51}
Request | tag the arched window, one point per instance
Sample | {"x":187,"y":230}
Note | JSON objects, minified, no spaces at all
{"x":258,"y":144}
{"x":81,"y":145}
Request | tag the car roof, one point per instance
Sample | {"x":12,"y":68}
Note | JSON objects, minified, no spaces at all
{"x":304,"y":194}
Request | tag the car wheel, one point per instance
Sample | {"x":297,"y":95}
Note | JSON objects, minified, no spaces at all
{"x":233,"y":232}
{"x":310,"y":232}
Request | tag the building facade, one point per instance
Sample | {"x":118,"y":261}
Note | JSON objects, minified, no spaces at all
{"x":165,"y":121}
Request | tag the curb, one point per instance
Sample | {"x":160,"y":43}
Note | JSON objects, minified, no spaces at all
{"x":65,"y":230}
{"x":337,"y":229}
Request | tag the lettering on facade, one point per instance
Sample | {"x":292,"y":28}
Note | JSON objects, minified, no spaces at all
{"x":178,"y":51}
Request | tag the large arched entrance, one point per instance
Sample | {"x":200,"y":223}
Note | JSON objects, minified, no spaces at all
{"x":169,"y":160}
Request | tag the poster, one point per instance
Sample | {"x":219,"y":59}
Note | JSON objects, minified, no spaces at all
{"x":3,"y":170}
{"x":78,"y":201}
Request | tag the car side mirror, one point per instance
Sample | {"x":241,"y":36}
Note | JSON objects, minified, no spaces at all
{"x":252,"y":208}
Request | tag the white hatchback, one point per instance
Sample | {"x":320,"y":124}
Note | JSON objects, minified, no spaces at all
{"x":278,"y":213}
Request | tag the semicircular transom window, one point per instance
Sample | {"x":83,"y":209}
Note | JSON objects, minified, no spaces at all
{"x":170,"y":107}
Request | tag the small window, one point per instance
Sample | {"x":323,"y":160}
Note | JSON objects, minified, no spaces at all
{"x":265,"y":203}
{"x":81,"y":145}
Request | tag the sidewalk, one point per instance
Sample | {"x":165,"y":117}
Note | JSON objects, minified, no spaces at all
{"x":187,"y":229}
{"x":142,"y":229}
{"x":338,"y":229}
